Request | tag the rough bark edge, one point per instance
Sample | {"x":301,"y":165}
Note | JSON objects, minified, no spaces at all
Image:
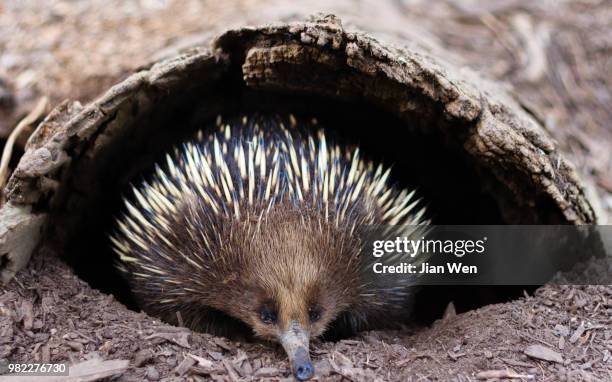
{"x":492,"y":114}
{"x":502,"y":135}
{"x":68,"y":131}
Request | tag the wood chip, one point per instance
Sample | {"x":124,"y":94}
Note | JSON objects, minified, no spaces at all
{"x":351,"y":342}
{"x":578,"y":333}
{"x":455,"y":356}
{"x":241,"y":359}
{"x":490,"y":374}
{"x":202,"y":362}
{"x":180,"y":338}
{"x":222,"y":344}
{"x":543,"y":353}
{"x":142,"y":357}
{"x":27,"y":314}
{"x":267,"y":372}
{"x":45,"y":352}
{"x":561,"y":343}
{"x":247,"y":368}
{"x":184,"y":366}
{"x":342,"y":360}
{"x":204,"y":366}
{"x":76,"y":346}
{"x":233,"y":375}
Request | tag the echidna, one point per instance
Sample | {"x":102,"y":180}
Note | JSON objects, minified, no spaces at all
{"x":266,"y":221}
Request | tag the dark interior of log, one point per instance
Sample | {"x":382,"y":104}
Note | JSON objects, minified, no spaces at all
{"x":454,"y":188}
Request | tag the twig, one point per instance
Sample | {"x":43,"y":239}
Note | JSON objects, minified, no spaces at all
{"x":27,"y":121}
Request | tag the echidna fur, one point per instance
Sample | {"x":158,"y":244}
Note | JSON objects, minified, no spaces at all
{"x":186,"y":234}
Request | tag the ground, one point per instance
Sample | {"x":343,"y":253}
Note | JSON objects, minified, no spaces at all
{"x":556,"y":56}
{"x":48,"y":314}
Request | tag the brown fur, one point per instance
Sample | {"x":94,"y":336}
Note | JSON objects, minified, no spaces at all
{"x":288,"y":260}
{"x":306,"y":258}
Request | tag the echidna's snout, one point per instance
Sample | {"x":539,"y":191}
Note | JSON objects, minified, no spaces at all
{"x":302,"y":366}
{"x":295,"y":342}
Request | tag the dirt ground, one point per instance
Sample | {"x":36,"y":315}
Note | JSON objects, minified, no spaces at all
{"x":556,"y":55}
{"x":559,"y":334}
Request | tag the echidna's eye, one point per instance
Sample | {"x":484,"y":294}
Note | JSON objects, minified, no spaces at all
{"x":314,"y":313}
{"x":268,"y":315}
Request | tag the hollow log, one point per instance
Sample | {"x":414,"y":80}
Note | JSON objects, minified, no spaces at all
{"x":81,"y":154}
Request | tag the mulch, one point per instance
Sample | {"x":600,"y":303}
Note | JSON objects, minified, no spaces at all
{"x":560,"y":333}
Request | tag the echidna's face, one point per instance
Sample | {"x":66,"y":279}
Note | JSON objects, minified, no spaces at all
{"x":274,"y":314}
{"x":292,"y":317}
{"x":295,"y":284}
